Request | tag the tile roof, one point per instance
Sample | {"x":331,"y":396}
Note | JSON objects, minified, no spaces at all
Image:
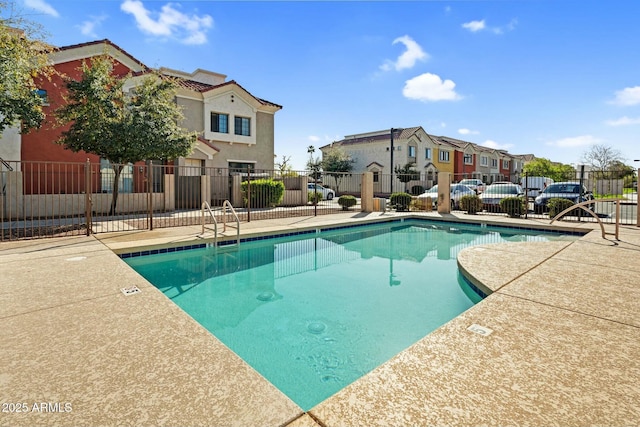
{"x":98,"y":42}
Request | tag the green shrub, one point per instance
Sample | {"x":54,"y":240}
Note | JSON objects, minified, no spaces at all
{"x":264,"y":192}
{"x":557,"y":205}
{"x":417,"y":189}
{"x":314,"y":197}
{"x":400,"y":201}
{"x":515,"y":207}
{"x":471,"y":203}
{"x":347,"y":201}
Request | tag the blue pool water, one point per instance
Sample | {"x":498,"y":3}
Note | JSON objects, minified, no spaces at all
{"x":315,"y":312}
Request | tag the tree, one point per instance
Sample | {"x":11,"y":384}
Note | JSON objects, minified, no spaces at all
{"x":601,"y":158}
{"x":545,"y":167}
{"x":337,"y":163}
{"x":314,"y":164}
{"x":122,"y":127}
{"x":284,"y":168}
{"x":407,"y":173}
{"x":23,"y":60}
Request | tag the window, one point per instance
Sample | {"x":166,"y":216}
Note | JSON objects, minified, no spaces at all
{"x":444,"y":156}
{"x":412,"y":151}
{"x":241,"y":167}
{"x":484,"y":160}
{"x":427,"y":153}
{"x":505,"y":164}
{"x":219,"y":123}
{"x":242,"y":126}
{"x":494,"y":163}
{"x":376,"y":176}
{"x":43,"y":96}
{"x":468,"y":159}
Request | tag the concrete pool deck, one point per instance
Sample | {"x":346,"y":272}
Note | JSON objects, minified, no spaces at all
{"x":564,"y":347}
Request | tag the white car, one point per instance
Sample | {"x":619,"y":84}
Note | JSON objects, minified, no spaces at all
{"x":327,"y":193}
{"x":457,"y":192}
{"x":475,"y":184}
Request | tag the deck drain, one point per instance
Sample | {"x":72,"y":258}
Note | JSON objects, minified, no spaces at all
{"x":480,"y":330}
{"x":131,"y":290}
{"x":76,"y":258}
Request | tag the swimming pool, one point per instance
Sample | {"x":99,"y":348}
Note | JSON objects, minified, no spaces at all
{"x":314,"y":312}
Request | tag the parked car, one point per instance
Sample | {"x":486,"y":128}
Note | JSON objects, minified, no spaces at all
{"x":327,"y":193}
{"x":475,"y":184}
{"x":535,"y":185}
{"x":457,"y":191}
{"x":564,"y":190}
{"x":494,"y":193}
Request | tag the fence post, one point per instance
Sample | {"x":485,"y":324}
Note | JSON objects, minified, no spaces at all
{"x":248,"y":193}
{"x":150,"y":192}
{"x":637,"y":203}
{"x":88,"y":208}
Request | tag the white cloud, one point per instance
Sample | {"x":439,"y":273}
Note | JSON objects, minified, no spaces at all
{"x":313,"y":138}
{"x":169,"y":22}
{"x":496,"y":146}
{"x":41,"y":6}
{"x":408,"y":58}
{"x":474,"y":26}
{"x":576,"y":141}
{"x":624,"y":121}
{"x":465,"y":131}
{"x":430,"y":87}
{"x":627,"y":96}
{"x":88,"y":27}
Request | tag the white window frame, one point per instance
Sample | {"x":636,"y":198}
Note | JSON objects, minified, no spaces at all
{"x":428,"y":153}
{"x":470,"y":157}
{"x":444,"y":156}
{"x":484,"y":161}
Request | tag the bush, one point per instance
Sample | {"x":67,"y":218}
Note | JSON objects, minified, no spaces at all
{"x":400,"y":201}
{"x":347,"y":201}
{"x":513,"y":206}
{"x":557,"y":205}
{"x":417,"y":189}
{"x":264,"y":192}
{"x":471,"y":203}
{"x":314,"y":197}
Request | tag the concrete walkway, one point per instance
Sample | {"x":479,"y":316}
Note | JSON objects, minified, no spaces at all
{"x":561,"y":343}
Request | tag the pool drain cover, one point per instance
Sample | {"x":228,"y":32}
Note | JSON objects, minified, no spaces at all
{"x":131,"y":290}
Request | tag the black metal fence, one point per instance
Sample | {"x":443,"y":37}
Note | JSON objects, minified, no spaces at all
{"x":45,"y":199}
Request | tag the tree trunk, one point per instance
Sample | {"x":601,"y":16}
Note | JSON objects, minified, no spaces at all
{"x":117,"y":169}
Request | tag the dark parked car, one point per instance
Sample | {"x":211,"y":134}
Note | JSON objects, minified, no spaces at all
{"x":563,"y":190}
{"x":494,"y":193}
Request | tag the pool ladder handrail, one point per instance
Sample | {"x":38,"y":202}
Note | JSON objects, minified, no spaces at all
{"x":226,"y":207}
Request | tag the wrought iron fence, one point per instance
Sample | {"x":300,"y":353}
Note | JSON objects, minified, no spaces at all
{"x":45,"y":199}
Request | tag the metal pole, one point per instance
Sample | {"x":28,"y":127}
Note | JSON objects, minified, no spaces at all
{"x":87,"y":196}
{"x":391,"y":187}
{"x":248,"y":193}
{"x":150,"y":192}
{"x":580,"y":197}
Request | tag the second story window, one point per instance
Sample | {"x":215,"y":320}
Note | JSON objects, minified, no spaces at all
{"x":468,"y":159}
{"x":412,"y":151}
{"x":427,"y":153}
{"x":242,"y":126}
{"x":494,"y":163}
{"x":444,"y":156}
{"x":219,"y":123}
{"x":505,"y":164}
{"x":484,"y":160}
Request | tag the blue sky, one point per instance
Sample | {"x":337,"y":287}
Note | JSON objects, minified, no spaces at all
{"x":548,"y":77}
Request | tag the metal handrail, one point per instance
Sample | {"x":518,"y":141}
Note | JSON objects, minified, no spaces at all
{"x":225,"y":205}
{"x":583,"y":206}
{"x":6,"y":165}
{"x":206,"y":205}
